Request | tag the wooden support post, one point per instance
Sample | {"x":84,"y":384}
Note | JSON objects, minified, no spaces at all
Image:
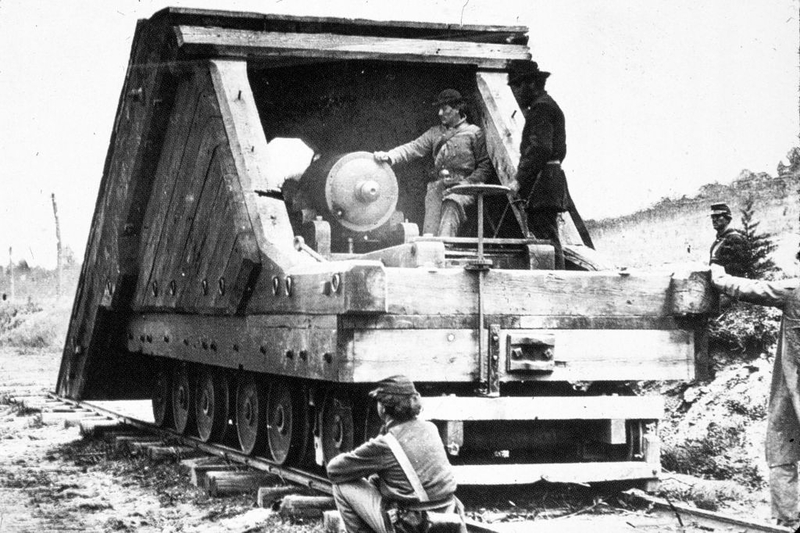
{"x":60,"y":417}
{"x":88,"y":417}
{"x":162,"y":453}
{"x":200,"y":466}
{"x":91,"y":429}
{"x":124,"y":443}
{"x":228,"y":483}
{"x":268,"y":497}
{"x":296,"y":506}
{"x":613,"y":432}
{"x":332,"y":522}
{"x":112,"y":436}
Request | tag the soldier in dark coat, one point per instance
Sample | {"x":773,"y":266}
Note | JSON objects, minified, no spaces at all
{"x":373,"y":491}
{"x":783,"y":422}
{"x":540,"y":179}
{"x":727,"y":247}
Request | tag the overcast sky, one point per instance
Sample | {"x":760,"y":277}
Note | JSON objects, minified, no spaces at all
{"x":660,"y":97}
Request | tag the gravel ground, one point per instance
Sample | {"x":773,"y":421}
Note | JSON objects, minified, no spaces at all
{"x":53,"y":480}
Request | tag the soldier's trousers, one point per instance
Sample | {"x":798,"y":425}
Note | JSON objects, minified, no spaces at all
{"x":783,"y":492}
{"x":361,"y":506}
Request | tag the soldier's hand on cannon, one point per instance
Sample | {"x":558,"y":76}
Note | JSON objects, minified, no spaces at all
{"x":382,"y":157}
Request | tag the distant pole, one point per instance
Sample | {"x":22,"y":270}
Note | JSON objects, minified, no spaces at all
{"x":58,"y":245}
{"x":11,"y":270}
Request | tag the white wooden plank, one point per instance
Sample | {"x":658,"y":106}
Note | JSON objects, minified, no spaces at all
{"x":580,"y":355}
{"x":538,"y":292}
{"x":543,"y":408}
{"x":515,"y":474}
{"x":260,"y":44}
{"x":248,"y":145}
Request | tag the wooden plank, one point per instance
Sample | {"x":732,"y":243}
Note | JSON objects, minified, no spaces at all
{"x":507,"y":322}
{"x":502,"y":124}
{"x":297,"y":506}
{"x":185,"y":222}
{"x":537,"y":292}
{"x":219,"y":237}
{"x":302,"y":346}
{"x":515,"y":474}
{"x":158,"y":208}
{"x":188,"y":194}
{"x":199,"y":252}
{"x":244,"y":44}
{"x":138,"y":125}
{"x":543,"y":408}
{"x":580,"y":355}
{"x":226,"y":483}
{"x":181,"y":202}
{"x":257,"y":179}
{"x":409,"y":255}
{"x":312,"y":24}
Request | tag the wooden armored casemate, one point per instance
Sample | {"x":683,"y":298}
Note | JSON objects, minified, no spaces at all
{"x":253,"y":270}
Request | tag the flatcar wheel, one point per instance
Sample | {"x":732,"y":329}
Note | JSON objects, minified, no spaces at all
{"x":162,"y":397}
{"x":182,"y":399}
{"x":286,"y":425}
{"x":211,"y":406}
{"x":250,"y":415}
{"x":337,"y":428}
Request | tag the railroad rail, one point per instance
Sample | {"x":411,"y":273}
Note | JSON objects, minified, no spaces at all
{"x":681,"y":517}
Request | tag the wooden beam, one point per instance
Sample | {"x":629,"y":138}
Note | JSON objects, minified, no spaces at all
{"x":502,"y":124}
{"x":543,"y":408}
{"x":515,"y":474}
{"x":250,"y":45}
{"x":579,"y":355}
{"x":535,"y":293}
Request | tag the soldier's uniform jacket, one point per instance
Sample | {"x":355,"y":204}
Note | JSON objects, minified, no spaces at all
{"x":423,"y":446}
{"x":460,"y":149}
{"x":726,"y":249}
{"x":783,"y":426}
{"x":544,"y":140}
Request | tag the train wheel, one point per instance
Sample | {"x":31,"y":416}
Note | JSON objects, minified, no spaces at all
{"x":250,"y":417}
{"x":162,"y":397}
{"x":211,"y":405}
{"x":286,"y":426}
{"x":182,"y":399}
{"x":337,"y":428}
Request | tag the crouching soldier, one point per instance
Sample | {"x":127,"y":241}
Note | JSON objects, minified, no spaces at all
{"x":401,"y":480}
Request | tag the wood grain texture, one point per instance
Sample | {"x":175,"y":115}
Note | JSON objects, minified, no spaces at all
{"x":244,"y":44}
{"x":530,"y":293}
{"x":580,"y":355}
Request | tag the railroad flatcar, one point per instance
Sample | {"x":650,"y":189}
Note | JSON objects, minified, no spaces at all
{"x":254,"y":271}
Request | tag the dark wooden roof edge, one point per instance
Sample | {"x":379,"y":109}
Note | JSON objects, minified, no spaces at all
{"x":310,"y":24}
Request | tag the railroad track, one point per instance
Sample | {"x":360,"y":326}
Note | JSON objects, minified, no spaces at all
{"x":672,"y":516}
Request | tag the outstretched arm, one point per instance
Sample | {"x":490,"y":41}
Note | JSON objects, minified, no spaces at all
{"x":771,"y":293}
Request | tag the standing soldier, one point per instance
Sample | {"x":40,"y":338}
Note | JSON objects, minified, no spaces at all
{"x":728,"y":246}
{"x":540,"y":179}
{"x":783,"y":424}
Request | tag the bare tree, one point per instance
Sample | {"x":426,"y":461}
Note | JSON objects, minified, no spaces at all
{"x":11,"y":270}
{"x":58,"y":245}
